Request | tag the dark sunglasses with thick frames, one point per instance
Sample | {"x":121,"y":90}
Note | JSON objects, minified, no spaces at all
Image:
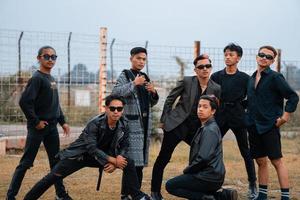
{"x":263,"y":55}
{"x":113,"y":108}
{"x":48,"y":57}
{"x":207,"y":66}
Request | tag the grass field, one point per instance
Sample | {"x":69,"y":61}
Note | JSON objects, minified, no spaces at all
{"x":82,"y":184}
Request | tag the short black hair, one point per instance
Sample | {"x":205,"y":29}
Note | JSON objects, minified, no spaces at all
{"x":40,"y":51}
{"x":213,"y":100}
{"x":137,"y":50}
{"x":201,"y":57}
{"x":234,"y":47}
{"x":111,"y":97}
{"x":269,"y":48}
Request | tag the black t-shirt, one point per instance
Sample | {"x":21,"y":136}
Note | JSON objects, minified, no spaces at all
{"x":233,"y":92}
{"x":106,"y":141}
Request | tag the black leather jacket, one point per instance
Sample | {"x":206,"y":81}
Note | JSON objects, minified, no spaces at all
{"x":91,"y":137}
{"x":206,"y":154}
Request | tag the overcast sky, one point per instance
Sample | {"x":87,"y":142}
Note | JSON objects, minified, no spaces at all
{"x":250,"y":23}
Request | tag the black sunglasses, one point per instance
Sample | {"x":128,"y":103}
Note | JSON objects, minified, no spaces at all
{"x":262,"y":55}
{"x":207,"y":66}
{"x":47,"y":57}
{"x":113,"y":108}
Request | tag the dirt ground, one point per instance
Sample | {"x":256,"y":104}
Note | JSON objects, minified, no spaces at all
{"x":82,"y":184}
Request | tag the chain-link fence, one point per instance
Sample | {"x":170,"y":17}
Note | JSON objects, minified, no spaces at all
{"x":77,"y":70}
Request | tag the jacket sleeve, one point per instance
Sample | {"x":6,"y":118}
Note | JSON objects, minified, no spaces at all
{"x":154,"y":98}
{"x":176,"y":92}
{"x":123,"y":87}
{"x":288,"y":93}
{"x":27,"y":100}
{"x":90,"y":138}
{"x":207,"y":145}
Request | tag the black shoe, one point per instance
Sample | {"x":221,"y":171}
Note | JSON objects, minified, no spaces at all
{"x":156,"y":196}
{"x":208,"y":197}
{"x":10,"y":198}
{"x":229,"y":194}
{"x":145,"y":197}
{"x":252,"y":191}
{"x":125,"y":197}
{"x":65,"y":196}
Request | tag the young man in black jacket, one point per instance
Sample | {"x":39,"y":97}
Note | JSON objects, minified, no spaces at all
{"x":206,"y":172}
{"x":40,"y":104}
{"x":231,"y":113}
{"x":103,"y":144}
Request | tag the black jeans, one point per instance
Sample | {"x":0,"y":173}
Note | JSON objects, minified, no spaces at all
{"x":68,"y":166}
{"x":139,"y":173}
{"x":169,"y":143}
{"x":50,"y":138}
{"x":241,"y":136}
{"x":187,"y":186}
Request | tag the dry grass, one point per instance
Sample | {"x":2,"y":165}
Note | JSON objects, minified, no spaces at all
{"x":82,"y":184}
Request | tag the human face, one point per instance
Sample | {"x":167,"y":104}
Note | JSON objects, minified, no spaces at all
{"x":114,"y":116}
{"x":44,"y":60}
{"x":205,"y":112}
{"x":231,"y":58}
{"x":138,"y":61}
{"x":263,"y":62}
{"x":205,"y":72}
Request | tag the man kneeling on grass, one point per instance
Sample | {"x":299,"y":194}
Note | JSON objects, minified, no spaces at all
{"x":102,"y":144}
{"x":205,"y":174}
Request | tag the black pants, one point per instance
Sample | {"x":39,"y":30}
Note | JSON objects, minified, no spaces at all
{"x":170,"y":141}
{"x":50,"y":138}
{"x":68,"y":166}
{"x":243,"y":144}
{"x":139,"y":173}
{"x":187,"y":186}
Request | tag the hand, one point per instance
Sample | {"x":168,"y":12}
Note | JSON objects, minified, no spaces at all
{"x":139,"y":80}
{"x":280,"y":121}
{"x":121,"y":162}
{"x":66,"y":129}
{"x":109,"y":168}
{"x":41,"y":125}
{"x":161,"y":125}
{"x":150,"y":87}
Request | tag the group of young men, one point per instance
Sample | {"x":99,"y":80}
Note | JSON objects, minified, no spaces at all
{"x":199,"y":111}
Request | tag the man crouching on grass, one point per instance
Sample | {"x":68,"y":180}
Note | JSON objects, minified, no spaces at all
{"x":102,"y":144}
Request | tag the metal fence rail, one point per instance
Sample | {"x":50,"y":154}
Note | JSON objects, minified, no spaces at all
{"x":77,"y":70}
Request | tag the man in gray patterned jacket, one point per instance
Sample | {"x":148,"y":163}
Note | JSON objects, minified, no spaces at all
{"x":140,"y":96}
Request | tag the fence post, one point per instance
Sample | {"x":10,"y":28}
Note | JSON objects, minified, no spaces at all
{"x":111,"y":60}
{"x":102,"y":71}
{"x":20,"y":81}
{"x":196,"y":48}
{"x":147,"y":67}
{"x":278,"y":60}
{"x":69,"y":70}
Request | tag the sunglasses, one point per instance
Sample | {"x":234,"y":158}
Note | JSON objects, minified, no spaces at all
{"x":48,"y":57}
{"x":207,"y":66}
{"x":268,"y":57}
{"x":113,"y":108}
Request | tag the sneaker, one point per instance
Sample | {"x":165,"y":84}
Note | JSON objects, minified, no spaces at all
{"x":145,"y":197}
{"x":63,"y":197}
{"x":125,"y":197}
{"x":208,"y":197}
{"x":156,"y":196}
{"x":252,"y":191}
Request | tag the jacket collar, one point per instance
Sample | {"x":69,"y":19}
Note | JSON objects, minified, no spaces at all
{"x":103,"y":122}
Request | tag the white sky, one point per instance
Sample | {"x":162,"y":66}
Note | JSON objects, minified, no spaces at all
{"x":250,"y":23}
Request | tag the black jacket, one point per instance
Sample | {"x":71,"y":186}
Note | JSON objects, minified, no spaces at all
{"x":91,"y":137}
{"x":186,"y":89}
{"x":206,"y":154}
